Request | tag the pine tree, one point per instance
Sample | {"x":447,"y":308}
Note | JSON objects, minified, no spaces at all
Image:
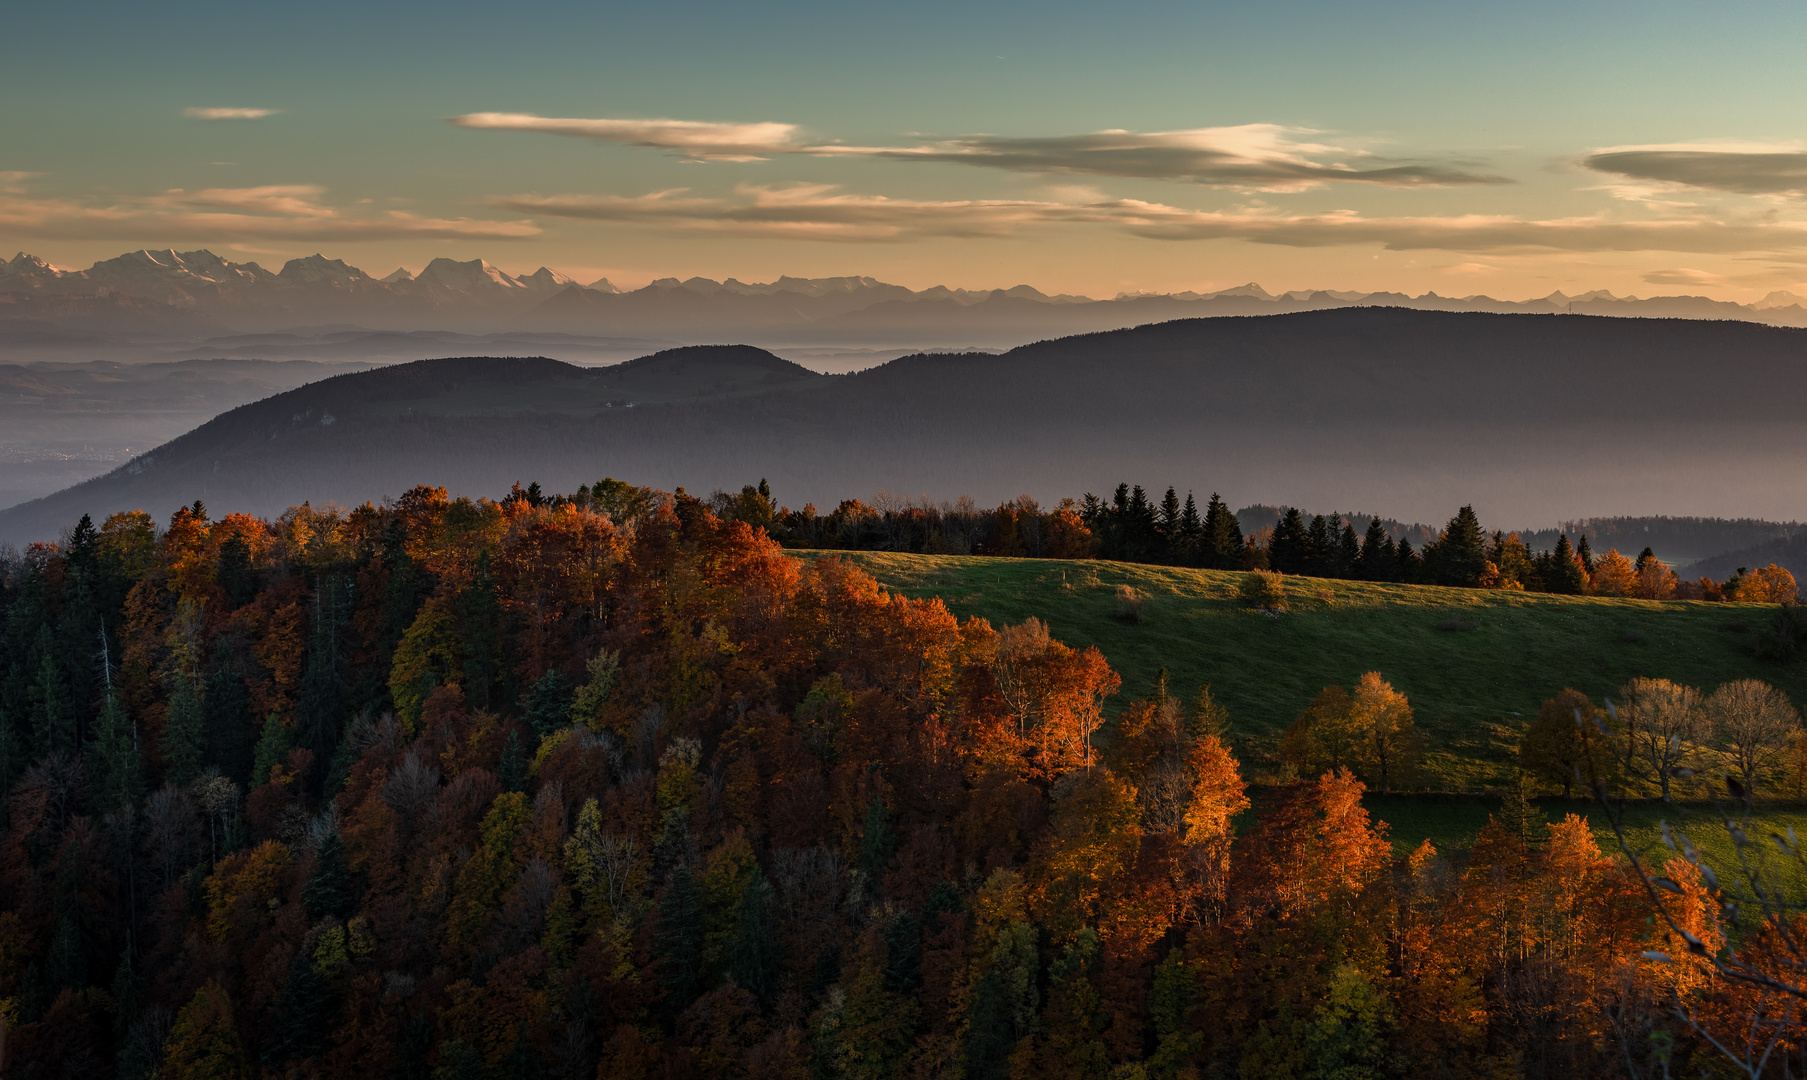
{"x":1167,"y":527}
{"x":481,"y":629}
{"x":231,"y":732}
{"x":1374,"y":562}
{"x":1192,"y":534}
{"x":678,"y":939}
{"x":184,"y":741}
{"x":320,"y":713}
{"x":1586,"y":555}
{"x":300,"y":1021}
{"x":1287,"y":550}
{"x":1409,"y":567}
{"x":1461,"y":551}
{"x":55,"y":718}
{"x":1320,"y":549}
{"x":549,"y":704}
{"x":1223,"y":537}
{"x":1563,"y":574}
{"x":511,"y":771}
{"x":876,"y":841}
{"x":330,"y":889}
{"x":120,"y":780}
{"x":1349,"y":552}
{"x":236,"y":576}
{"x":753,"y":958}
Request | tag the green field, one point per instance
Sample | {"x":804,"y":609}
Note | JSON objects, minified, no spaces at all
{"x":1472,"y":689}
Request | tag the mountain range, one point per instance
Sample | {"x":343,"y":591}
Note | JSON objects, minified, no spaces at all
{"x":1409,"y":413}
{"x":197,"y":296}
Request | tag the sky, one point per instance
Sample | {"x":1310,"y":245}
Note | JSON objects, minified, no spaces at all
{"x":1512,"y":150}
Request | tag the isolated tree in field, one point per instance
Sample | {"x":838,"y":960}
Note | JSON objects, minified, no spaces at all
{"x":1389,"y":746}
{"x":1755,"y":725}
{"x":1664,"y":726}
{"x":1565,"y":746}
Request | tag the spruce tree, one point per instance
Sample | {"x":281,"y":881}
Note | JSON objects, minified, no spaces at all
{"x":549,"y":704}
{"x":1409,"y":566}
{"x":330,"y":889}
{"x":481,"y":628}
{"x":678,"y":939}
{"x":1287,"y":550}
{"x":1564,"y":573}
{"x":236,"y":576}
{"x":1349,"y":552}
{"x":1645,"y":558}
{"x":1192,"y":534}
{"x":1586,"y":555}
{"x":116,"y":748}
{"x":184,"y":741}
{"x":231,"y":732}
{"x":1462,"y":551}
{"x":1223,"y":536}
{"x":1167,"y":527}
{"x":54,"y":729}
{"x":300,"y":1021}
{"x":1320,"y":548}
{"x":753,"y":958}
{"x":876,"y":841}
{"x":1374,"y":562}
{"x":511,"y":770}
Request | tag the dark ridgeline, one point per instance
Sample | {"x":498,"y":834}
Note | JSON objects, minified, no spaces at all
{"x":1423,"y":409}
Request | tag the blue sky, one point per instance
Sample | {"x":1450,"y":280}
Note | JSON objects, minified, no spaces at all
{"x":1396,"y":146}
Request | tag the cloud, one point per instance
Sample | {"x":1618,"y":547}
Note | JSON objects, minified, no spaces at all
{"x":822,"y":212}
{"x":694,"y":139}
{"x":1267,"y":157}
{"x":1684,"y":277}
{"x":804,"y":212}
{"x":1739,"y":168}
{"x":274,"y":212}
{"x":224,"y":113}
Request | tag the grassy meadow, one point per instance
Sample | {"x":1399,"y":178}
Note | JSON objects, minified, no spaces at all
{"x":1476,"y":664}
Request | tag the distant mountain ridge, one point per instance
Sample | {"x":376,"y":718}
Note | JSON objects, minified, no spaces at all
{"x":1408,"y":413}
{"x":475,"y":296}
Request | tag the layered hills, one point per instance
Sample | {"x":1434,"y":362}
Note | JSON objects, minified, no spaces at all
{"x":1409,"y":412}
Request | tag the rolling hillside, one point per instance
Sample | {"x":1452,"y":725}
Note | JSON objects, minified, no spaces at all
{"x":1473,"y":689}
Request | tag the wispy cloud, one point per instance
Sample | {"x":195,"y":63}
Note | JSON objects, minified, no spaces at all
{"x":822,"y":212}
{"x":1684,"y":277}
{"x":695,"y":139}
{"x":228,"y":113}
{"x":803,"y":212}
{"x":274,"y":212}
{"x":1268,"y":157}
{"x":1737,"y":167}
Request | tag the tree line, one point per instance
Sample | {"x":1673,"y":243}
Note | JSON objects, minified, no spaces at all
{"x":1132,"y":527}
{"x":607,"y":785}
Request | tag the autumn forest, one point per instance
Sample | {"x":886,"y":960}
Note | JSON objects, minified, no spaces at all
{"x":614,"y":785}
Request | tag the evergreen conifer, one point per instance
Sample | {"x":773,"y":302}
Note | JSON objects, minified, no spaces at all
{"x":549,"y":704}
{"x":678,"y":938}
{"x":1288,"y":549}
{"x":330,"y":889}
{"x":1461,"y":556}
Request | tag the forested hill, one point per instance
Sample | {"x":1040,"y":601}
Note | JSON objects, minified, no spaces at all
{"x":1530,"y":417}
